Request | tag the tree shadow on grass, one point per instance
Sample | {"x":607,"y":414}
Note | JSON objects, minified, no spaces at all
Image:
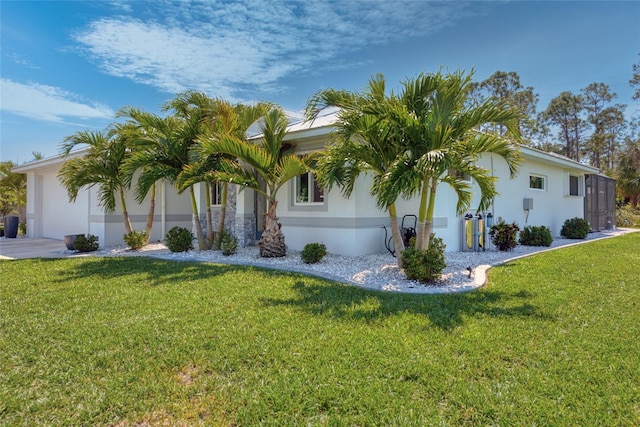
{"x":151,"y":271}
{"x":445,"y":311}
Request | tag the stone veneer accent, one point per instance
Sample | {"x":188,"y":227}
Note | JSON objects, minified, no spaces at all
{"x":243,"y":227}
{"x":246,"y":230}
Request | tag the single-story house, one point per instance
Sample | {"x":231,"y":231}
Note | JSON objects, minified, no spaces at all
{"x":548,"y":190}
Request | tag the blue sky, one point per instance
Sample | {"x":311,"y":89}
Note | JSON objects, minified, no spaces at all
{"x":68,"y":66}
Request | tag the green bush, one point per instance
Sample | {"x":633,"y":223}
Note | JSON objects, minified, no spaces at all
{"x":425,"y":265}
{"x":575,"y":228}
{"x":228,"y":243}
{"x":136,"y":239}
{"x":179,"y":239}
{"x":627,"y":216}
{"x":533,"y":235}
{"x":22,"y":229}
{"x":313,"y":253}
{"x":504,"y":235}
{"x":86,"y":243}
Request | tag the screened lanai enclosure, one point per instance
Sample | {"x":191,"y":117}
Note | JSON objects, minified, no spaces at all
{"x":600,"y":202}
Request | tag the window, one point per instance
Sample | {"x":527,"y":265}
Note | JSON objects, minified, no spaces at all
{"x":306,"y":190}
{"x":463,"y":176}
{"x":574,"y":185}
{"x":216,"y":194}
{"x":537,"y":182}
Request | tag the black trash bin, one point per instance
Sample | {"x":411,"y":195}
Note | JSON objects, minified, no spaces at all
{"x":11,"y":226}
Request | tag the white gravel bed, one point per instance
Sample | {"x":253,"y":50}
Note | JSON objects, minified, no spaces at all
{"x":375,"y":272}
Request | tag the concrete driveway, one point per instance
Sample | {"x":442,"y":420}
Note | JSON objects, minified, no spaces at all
{"x":21,"y":248}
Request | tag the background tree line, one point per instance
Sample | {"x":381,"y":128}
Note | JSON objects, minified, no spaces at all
{"x":588,"y":126}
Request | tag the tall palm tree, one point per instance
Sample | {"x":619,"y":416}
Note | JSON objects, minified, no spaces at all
{"x":220,"y":118}
{"x":271,"y":160}
{"x":102,"y":165}
{"x":161,"y":153}
{"x":133,"y":131}
{"x":441,"y":131}
{"x":360,"y":142}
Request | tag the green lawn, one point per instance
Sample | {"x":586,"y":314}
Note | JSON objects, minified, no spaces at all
{"x":553,"y":339}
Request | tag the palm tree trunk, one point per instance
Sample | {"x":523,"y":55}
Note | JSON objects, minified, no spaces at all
{"x":125,"y":214}
{"x":422,"y":213}
{"x":398,"y":243}
{"x":223,"y":217}
{"x":271,"y":243}
{"x":209,"y":238}
{"x":428,"y":228}
{"x":150,"y":214}
{"x":202,"y":244}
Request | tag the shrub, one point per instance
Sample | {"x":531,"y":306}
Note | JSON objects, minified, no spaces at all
{"x":313,"y":253}
{"x":22,"y":229}
{"x":627,"y":216}
{"x":425,"y":265}
{"x":575,"y":228}
{"x":179,"y":239}
{"x":228,"y":243}
{"x":136,"y":239}
{"x":533,"y":235}
{"x":504,"y":235}
{"x":86,"y":243}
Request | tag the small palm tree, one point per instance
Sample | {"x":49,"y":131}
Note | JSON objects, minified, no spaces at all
{"x":101,"y":166}
{"x":360,"y":142}
{"x":271,"y":160}
{"x":441,"y":131}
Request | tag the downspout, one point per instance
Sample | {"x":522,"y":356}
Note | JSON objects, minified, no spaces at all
{"x":494,"y":199}
{"x":163,"y":210}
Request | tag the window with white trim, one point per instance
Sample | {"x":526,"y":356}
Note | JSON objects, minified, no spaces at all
{"x":306,"y":190}
{"x":575,"y":187}
{"x":537,"y":182}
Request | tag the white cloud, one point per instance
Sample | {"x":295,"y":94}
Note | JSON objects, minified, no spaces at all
{"x":48,"y":103}
{"x":231,"y":49}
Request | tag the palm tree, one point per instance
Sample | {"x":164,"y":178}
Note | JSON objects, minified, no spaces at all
{"x":270,"y":160}
{"x":13,"y":190}
{"x":101,"y":166}
{"x":133,"y":131}
{"x":161,"y":153}
{"x":360,"y":142}
{"x":220,"y":118}
{"x":166,"y":152}
{"x":441,"y":132}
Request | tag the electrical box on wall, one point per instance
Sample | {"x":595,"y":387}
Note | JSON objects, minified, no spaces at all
{"x":527,"y":204}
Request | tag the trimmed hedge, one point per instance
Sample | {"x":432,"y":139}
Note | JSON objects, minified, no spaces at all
{"x":575,"y":228}
{"x":532,"y":235}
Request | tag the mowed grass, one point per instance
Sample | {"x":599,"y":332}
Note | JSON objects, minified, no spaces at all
{"x":553,"y":339}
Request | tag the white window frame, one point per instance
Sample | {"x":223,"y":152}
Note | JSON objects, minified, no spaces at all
{"x":580,"y":179}
{"x":544,"y":182}
{"x":297,"y":200}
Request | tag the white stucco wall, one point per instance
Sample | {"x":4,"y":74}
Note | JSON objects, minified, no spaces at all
{"x":551,"y":206}
{"x":49,"y":212}
{"x":355,"y":226}
{"x":171,"y":209}
{"x":351,"y":226}
{"x":51,"y":215}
